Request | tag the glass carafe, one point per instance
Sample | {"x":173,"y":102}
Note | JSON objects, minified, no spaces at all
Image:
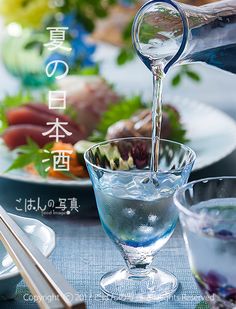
{"x":168,"y":32}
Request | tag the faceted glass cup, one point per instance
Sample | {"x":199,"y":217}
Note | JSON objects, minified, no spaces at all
{"x":137,"y":212}
{"x":208,"y":216}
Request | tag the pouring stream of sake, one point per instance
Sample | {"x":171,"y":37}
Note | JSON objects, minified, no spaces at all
{"x":158,"y":76}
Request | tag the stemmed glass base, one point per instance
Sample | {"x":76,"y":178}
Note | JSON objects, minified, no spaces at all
{"x":138,"y":214}
{"x":153,"y":286}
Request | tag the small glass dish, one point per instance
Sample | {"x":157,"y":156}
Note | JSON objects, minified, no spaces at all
{"x":207,"y":210}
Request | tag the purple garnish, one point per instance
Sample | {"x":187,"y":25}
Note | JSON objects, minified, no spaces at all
{"x":226,"y":291}
{"x":124,"y":149}
{"x":224,"y":233}
{"x":231,"y":295}
{"x":213,"y":281}
{"x":139,"y":153}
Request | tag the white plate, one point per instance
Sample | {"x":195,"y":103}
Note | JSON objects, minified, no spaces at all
{"x":7,"y":157}
{"x":212,"y":135}
{"x":211,"y":132}
{"x":44,"y":239}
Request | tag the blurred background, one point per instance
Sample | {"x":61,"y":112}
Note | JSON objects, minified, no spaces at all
{"x":101,"y":44}
{"x":104,"y":69}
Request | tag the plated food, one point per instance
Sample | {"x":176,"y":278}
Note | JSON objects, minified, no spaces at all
{"x":95,"y":112}
{"x":199,"y":120}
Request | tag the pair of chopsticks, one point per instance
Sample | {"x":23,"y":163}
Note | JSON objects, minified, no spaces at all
{"x":47,"y":285}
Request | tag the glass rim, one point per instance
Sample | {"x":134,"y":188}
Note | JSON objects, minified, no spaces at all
{"x":182,"y":208}
{"x":187,"y":148}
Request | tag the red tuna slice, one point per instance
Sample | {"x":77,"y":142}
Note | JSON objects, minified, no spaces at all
{"x":43,"y":109}
{"x":30,"y":115}
{"x":24,"y":115}
{"x":36,"y":114}
{"x":17,"y":135}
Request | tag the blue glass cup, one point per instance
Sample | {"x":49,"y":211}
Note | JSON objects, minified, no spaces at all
{"x":208,"y":215}
{"x":137,"y":212}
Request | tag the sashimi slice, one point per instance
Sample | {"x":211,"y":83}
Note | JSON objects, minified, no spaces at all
{"x":38,"y":115}
{"x":16,"y":135}
{"x":43,"y":109}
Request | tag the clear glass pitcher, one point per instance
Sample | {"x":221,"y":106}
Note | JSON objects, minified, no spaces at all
{"x":168,"y":32}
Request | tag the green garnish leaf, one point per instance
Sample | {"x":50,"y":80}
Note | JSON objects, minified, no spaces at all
{"x":17,"y":99}
{"x":33,"y":154}
{"x":178,"y":133}
{"x":71,"y":112}
{"x":123,"y":110}
{"x":11,"y":101}
{"x":126,"y":109}
{"x":96,"y":137}
{"x":21,"y":161}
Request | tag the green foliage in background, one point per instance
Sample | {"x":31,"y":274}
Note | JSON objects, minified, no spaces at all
{"x":38,"y":15}
{"x":185,"y":71}
{"x":88,"y":12}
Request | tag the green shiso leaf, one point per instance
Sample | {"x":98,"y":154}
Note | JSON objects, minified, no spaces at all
{"x":32,"y":153}
{"x":178,"y":132}
{"x":11,"y":101}
{"x":123,"y":110}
